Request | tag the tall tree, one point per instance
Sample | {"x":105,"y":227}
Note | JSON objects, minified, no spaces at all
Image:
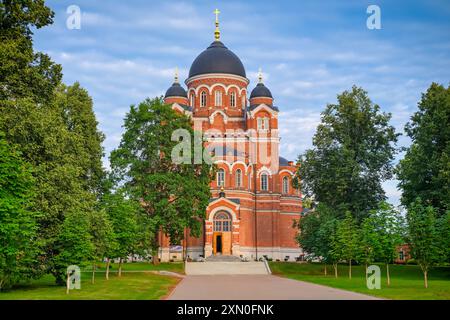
{"x":17,"y":221}
{"x":24,"y":73}
{"x":174,"y":196}
{"x":352,"y":155}
{"x":347,"y":241}
{"x":52,"y":125}
{"x":423,"y":236}
{"x":77,"y":110}
{"x":425,"y":170}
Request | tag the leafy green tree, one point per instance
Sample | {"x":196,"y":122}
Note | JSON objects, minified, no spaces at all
{"x":347,"y":241}
{"x":370,"y":240}
{"x":315,"y":237}
{"x":352,"y":155}
{"x":424,"y":236}
{"x":73,"y":245}
{"x":425,"y":171}
{"x":122,"y":213}
{"x":390,"y":231}
{"x":77,"y":111}
{"x":103,"y":239}
{"x":443,"y":227}
{"x":173,"y":196}
{"x":24,"y":73}
{"x":17,"y":221}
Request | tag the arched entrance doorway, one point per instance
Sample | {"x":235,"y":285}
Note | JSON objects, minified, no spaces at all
{"x":222,"y":225}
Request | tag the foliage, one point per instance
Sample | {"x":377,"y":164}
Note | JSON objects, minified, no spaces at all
{"x":423,"y":236}
{"x":24,"y":73}
{"x":346,"y":243}
{"x":352,"y":154}
{"x":122,"y":213}
{"x":17,"y":221}
{"x":73,"y":245}
{"x":425,"y":170}
{"x":317,"y":230}
{"x":173,"y":196}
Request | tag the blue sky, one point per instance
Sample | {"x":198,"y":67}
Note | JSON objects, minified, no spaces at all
{"x":309,"y":52}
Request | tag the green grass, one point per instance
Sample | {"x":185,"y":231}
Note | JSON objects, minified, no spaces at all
{"x":141,"y":266}
{"x":143,"y":285}
{"x":406,"y":280}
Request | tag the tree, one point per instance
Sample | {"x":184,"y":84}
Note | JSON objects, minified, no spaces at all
{"x":103,"y":239}
{"x":352,"y":155}
{"x":122,"y":213}
{"x":24,"y":73}
{"x":51,"y":125}
{"x":317,"y":229}
{"x":73,"y":245}
{"x":389,"y":233}
{"x":370,"y":240}
{"x":424,"y":236}
{"x":77,"y":110}
{"x":174,"y":196}
{"x":443,"y":228}
{"x":17,"y":221}
{"x":347,"y":241}
{"x":424,"y":171}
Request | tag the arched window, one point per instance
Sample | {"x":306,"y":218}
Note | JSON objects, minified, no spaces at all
{"x":244,"y":101}
{"x":264,"y":182}
{"x":285,"y":185}
{"x":203,"y":99}
{"x":221,"y":178}
{"x":238,"y":178}
{"x":218,"y":98}
{"x":233,"y":99}
{"x":192,"y":101}
{"x":222,"y":222}
{"x":263,"y":123}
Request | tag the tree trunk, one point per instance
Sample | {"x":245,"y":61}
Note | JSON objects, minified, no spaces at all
{"x":350,"y":269}
{"x":67,"y":283}
{"x":108,"y":263}
{"x":155,"y":259}
{"x":325,"y":271}
{"x":120,"y":267}
{"x":335,"y":270}
{"x":93,"y":273}
{"x":388,"y":275}
{"x":425,"y":276}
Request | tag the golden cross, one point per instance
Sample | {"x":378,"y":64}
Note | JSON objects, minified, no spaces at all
{"x":216,"y":12}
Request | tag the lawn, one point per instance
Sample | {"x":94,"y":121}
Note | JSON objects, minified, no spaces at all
{"x":133,"y":285}
{"x":406,"y":280}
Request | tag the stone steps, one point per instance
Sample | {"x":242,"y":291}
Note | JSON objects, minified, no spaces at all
{"x":223,"y":267}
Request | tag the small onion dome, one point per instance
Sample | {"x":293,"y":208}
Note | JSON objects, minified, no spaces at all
{"x":176,"y":90}
{"x":261,"y":94}
{"x":261,"y":91}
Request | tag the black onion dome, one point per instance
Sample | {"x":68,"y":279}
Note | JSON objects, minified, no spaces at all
{"x":260,"y":91}
{"x":217,"y":59}
{"x":176,"y":91}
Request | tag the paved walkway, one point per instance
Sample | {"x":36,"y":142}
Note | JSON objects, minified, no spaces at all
{"x":256,"y":287}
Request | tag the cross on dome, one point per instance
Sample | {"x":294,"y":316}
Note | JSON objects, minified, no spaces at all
{"x":217,"y":32}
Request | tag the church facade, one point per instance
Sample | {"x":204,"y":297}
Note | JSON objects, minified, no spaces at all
{"x":253,"y":204}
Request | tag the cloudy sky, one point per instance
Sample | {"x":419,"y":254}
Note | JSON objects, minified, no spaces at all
{"x":309,"y":52}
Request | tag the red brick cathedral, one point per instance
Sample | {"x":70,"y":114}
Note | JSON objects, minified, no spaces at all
{"x":253,"y":204}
